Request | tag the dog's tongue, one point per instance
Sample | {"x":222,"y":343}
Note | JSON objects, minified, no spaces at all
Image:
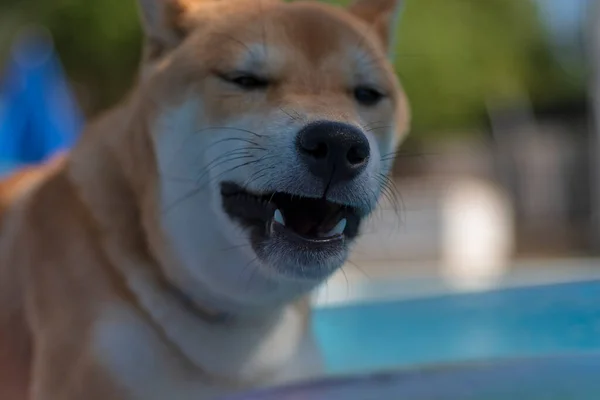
{"x":304,"y":228}
{"x":311,"y":218}
{"x":303,"y":222}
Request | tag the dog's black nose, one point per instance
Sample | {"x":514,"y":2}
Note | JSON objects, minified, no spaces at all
{"x":333,"y":151}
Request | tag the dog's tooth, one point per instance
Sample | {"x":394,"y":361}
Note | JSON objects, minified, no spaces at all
{"x":338,"y":229}
{"x":278,"y":217}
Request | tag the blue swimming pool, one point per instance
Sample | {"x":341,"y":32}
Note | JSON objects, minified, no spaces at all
{"x":512,"y":323}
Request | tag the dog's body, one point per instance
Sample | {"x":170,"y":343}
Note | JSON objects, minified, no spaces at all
{"x":154,"y":261}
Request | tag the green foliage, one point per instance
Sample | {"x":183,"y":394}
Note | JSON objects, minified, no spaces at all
{"x":456,"y":55}
{"x":99,"y":43}
{"x":453,"y":55}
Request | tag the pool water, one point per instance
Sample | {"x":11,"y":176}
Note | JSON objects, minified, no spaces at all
{"x":513,"y":323}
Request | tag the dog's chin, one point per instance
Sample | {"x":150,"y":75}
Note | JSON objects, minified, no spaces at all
{"x":294,"y":237}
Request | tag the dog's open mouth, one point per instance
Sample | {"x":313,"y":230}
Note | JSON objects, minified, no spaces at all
{"x":304,"y":221}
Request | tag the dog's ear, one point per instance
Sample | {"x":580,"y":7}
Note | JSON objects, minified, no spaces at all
{"x":382,"y":15}
{"x":164,"y":23}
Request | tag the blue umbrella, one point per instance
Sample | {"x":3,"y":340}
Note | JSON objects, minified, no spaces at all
{"x":38,"y":114}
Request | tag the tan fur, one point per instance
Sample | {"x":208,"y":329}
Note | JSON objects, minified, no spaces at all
{"x":72,"y":228}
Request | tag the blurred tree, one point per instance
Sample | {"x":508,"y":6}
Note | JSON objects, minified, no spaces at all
{"x":453,"y":55}
{"x":99,"y":42}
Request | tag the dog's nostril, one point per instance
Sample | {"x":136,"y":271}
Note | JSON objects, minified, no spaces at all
{"x":358,"y":154}
{"x":317,"y":150}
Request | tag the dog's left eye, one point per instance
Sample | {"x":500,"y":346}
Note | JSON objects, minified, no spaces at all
{"x":368,"y":96}
{"x":248,"y":82}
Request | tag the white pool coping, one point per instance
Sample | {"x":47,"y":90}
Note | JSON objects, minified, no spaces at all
{"x":351,"y":286}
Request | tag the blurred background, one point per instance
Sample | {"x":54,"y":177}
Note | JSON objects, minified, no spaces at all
{"x":498,"y":184}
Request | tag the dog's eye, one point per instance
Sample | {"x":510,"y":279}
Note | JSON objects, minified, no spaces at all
{"x":367,"y":96}
{"x":248,"y":82}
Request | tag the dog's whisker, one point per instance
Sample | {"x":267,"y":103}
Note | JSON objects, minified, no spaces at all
{"x":230,"y":128}
{"x":252,"y":272}
{"x":240,"y":246}
{"x":243,"y":165}
{"x":293,"y":118}
{"x":402,"y":154}
{"x":226,"y":158}
{"x":261,"y":173}
{"x":379,"y":128}
{"x":231,"y":158}
{"x":236,"y":139}
{"x":199,"y":188}
{"x":359,"y":269}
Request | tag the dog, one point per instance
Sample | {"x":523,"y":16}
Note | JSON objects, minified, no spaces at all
{"x":171,"y":253}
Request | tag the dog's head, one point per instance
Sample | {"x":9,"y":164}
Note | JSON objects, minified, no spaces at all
{"x":275,"y":127}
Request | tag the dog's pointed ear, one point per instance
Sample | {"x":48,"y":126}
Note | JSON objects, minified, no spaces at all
{"x":382,"y":15}
{"x":164,"y":23}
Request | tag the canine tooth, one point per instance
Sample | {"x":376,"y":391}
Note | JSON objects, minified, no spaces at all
{"x":338,"y":229}
{"x":271,"y":227}
{"x":278,"y":217}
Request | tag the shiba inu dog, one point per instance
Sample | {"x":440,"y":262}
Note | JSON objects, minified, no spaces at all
{"x":169,"y":255}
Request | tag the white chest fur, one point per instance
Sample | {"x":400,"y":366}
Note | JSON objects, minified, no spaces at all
{"x":138,"y":359}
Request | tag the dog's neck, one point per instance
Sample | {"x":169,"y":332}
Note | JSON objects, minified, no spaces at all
{"x":115,"y":172}
{"x":116,"y":178}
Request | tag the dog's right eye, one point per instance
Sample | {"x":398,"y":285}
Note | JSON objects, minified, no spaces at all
{"x":247,"y":81}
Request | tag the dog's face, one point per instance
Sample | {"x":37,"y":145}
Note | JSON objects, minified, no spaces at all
{"x":274,"y":132}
